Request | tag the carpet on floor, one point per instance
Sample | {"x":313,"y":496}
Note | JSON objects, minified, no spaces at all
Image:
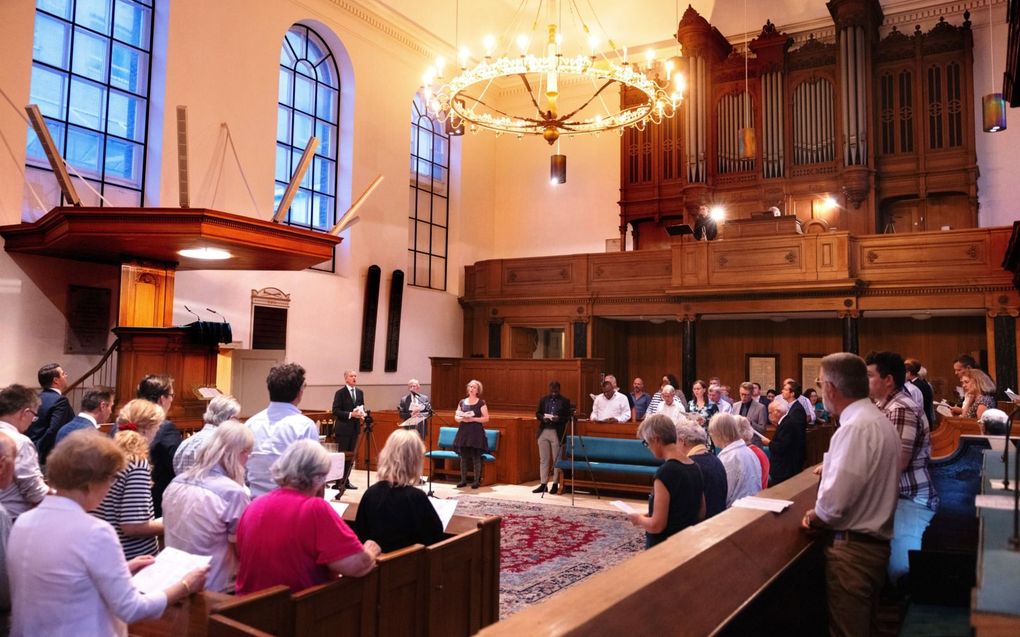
{"x":546,"y":548}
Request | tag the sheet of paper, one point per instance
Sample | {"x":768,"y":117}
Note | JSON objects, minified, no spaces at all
{"x":208,"y":393}
{"x":762,"y":504}
{"x":1012,"y":394}
{"x":336,"y":467}
{"x":170,"y":567}
{"x":1004,"y":502}
{"x":330,"y":494}
{"x":445,"y":509}
{"x":339,"y":507}
{"x":412,"y":421}
{"x":623,"y":506}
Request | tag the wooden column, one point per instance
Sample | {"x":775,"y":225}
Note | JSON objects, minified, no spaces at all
{"x":689,"y":356}
{"x":851,"y":339}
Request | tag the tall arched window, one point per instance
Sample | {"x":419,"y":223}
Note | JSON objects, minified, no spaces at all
{"x":429,"y":211}
{"x":91,"y":63}
{"x":309,"y":97}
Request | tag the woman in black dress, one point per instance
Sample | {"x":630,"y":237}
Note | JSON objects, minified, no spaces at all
{"x":678,"y":492}
{"x":394,"y":511}
{"x":470,"y":441}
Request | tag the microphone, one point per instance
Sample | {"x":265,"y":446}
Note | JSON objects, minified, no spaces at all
{"x":192,"y":312}
{"x":223,"y":318}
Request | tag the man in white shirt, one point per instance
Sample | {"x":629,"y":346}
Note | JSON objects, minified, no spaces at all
{"x":715,"y":395}
{"x":278,"y":426}
{"x":790,"y":392}
{"x":610,"y":405}
{"x":857,"y":496}
{"x":670,"y":406}
{"x":18,"y":405}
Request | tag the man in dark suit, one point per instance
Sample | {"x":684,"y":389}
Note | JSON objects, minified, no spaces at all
{"x":751,"y":409}
{"x":927,"y":395}
{"x":159,"y":389}
{"x":761,"y":398}
{"x":54,"y":409}
{"x":96,"y":408}
{"x":348,"y":414}
{"x":788,"y":446}
{"x":415,"y":404}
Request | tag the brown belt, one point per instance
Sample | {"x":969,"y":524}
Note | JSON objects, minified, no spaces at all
{"x":855,"y":536}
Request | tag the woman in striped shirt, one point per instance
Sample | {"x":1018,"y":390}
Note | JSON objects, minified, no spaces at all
{"x":128,"y":506}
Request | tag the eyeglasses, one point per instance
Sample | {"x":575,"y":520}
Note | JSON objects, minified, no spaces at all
{"x":32,"y":411}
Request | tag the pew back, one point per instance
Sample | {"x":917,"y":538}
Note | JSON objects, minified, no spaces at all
{"x":454,"y":573}
{"x":268,"y":610}
{"x":402,"y":592}
{"x":344,"y":607}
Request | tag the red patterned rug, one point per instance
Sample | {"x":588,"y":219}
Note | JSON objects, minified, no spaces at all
{"x":547,"y":547}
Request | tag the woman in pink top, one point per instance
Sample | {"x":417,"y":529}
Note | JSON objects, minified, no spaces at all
{"x":747,"y":433}
{"x":292,"y":536}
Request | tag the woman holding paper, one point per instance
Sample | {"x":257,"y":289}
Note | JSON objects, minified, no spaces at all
{"x":678,"y":492}
{"x":202,"y":506}
{"x":470,"y":442}
{"x":68,"y":572}
{"x":394,"y":511}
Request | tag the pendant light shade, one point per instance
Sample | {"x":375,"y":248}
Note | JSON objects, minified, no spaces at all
{"x":993,"y":112}
{"x":558,"y":169}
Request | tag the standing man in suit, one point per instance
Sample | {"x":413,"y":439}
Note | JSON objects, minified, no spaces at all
{"x":788,"y":446}
{"x":96,"y":408}
{"x":415,"y":404}
{"x":751,"y":409}
{"x":348,"y":414}
{"x":54,"y":409}
{"x":913,"y":367}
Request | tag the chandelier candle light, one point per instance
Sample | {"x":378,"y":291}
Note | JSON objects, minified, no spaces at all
{"x":464,"y":98}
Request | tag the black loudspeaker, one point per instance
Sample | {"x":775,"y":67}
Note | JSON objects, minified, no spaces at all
{"x":393,"y":320}
{"x":495,"y":338}
{"x":368,"y":318}
{"x":580,"y":339}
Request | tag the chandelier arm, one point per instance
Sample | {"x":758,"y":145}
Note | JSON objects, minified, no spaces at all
{"x":496,"y":110}
{"x":590,"y":100}
{"x":527,"y":85}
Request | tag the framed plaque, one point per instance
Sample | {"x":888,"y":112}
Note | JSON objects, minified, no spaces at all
{"x":88,"y":320}
{"x":810,"y":370}
{"x":762,"y":369}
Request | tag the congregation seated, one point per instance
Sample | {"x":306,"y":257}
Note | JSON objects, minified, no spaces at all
{"x":220,"y":409}
{"x":291,"y":536}
{"x":692,"y":439}
{"x":203,"y":505}
{"x":128,"y":505}
{"x":743,"y":471}
{"x":394,"y":512}
{"x":678,"y":490}
{"x":67,"y":568}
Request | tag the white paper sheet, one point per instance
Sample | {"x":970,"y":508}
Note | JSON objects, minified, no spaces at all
{"x":336,"y":467}
{"x":623,"y":506}
{"x":412,"y":421}
{"x":339,"y":507}
{"x":762,"y":504}
{"x":1004,"y":502}
{"x":1012,"y":394}
{"x":170,"y":567}
{"x":445,"y":509}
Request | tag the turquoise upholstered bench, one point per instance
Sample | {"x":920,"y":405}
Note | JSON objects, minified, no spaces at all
{"x":618,"y":456}
{"x":445,"y":444}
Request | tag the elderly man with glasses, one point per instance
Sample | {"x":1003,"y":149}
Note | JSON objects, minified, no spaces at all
{"x":18,"y":407}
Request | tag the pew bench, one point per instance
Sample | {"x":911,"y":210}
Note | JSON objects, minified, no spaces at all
{"x":445,"y":463}
{"x":615,"y":464}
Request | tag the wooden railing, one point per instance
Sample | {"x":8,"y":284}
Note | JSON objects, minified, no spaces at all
{"x":102,"y":374}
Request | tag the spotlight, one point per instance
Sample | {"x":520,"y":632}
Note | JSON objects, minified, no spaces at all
{"x":558,"y":169}
{"x":829,"y":203}
{"x":717,"y":213}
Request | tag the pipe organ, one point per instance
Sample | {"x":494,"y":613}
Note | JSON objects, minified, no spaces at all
{"x":881,"y":124}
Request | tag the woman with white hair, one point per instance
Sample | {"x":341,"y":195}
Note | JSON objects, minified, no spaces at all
{"x":743,"y":471}
{"x":220,"y":409}
{"x":394,"y":511}
{"x":202,"y":506}
{"x":292,"y":536}
{"x":692,"y":440}
{"x":678,"y":492}
{"x":747,"y":434}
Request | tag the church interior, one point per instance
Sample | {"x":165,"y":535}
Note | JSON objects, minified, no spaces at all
{"x":854,"y":158}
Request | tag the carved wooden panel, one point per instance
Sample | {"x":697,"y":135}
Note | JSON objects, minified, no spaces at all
{"x":919,"y":258}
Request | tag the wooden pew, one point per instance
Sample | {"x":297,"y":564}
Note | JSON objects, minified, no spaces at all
{"x":454,"y":572}
{"x":220,"y":626}
{"x":268,"y":610}
{"x":946,"y":438}
{"x":346,"y":606}
{"x":403,"y":592}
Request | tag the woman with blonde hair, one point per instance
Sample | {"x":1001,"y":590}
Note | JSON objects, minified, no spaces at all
{"x":68,"y":572}
{"x":394,"y":511}
{"x":128,"y":506}
{"x":202,"y":506}
{"x":978,"y":393}
{"x":470,"y":442}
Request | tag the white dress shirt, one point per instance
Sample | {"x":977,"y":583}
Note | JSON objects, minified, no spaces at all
{"x":676,"y":411}
{"x":724,"y":407}
{"x":861,"y":472}
{"x":275,"y":428}
{"x":743,"y":471}
{"x":803,"y":400}
{"x":28,"y":487}
{"x":201,"y":517}
{"x":69,"y":577}
{"x":187,"y":453}
{"x":616,"y":408}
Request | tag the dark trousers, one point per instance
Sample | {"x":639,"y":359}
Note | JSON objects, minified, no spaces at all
{"x":346,"y":435}
{"x":474,"y":456}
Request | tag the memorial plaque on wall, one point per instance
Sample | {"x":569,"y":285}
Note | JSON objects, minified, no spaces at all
{"x":88,"y":320}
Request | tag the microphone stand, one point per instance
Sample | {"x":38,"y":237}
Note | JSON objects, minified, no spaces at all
{"x":428,"y":438}
{"x":1005,"y":450}
{"x":1014,"y":540}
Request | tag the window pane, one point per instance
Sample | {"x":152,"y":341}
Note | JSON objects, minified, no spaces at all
{"x":94,"y":14}
{"x":131,"y":24}
{"x":442,"y":148}
{"x":286,"y":87}
{"x":325,"y":103}
{"x":61,"y":8}
{"x":421,"y":270}
{"x":88,"y":104}
{"x":49,"y":91}
{"x":295,"y":160}
{"x":302,"y":130}
{"x":423,"y":210}
{"x":300,"y":210}
{"x":323,"y":212}
{"x":278,"y":194}
{"x":424,"y":147}
{"x":130,"y":69}
{"x":327,"y":139}
{"x":127,"y":116}
{"x":326,"y":73}
{"x":35,"y":149}
{"x":90,"y":55}
{"x":124,"y":162}
{"x":295,"y":38}
{"x":304,"y":94}
{"x":324,"y":175}
{"x":282,"y":124}
{"x":84,"y":151}
{"x":282,"y":172}
{"x":316,"y":49}
{"x":424,"y":237}
{"x":439,"y":176}
{"x":51,"y":43}
{"x":438,"y":273}
{"x":439,"y":241}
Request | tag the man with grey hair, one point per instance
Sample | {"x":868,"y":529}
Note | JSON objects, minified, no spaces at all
{"x":715,"y":395}
{"x":692,"y":439}
{"x":18,"y":406}
{"x":751,"y":409}
{"x":415,"y":405}
{"x":220,"y":409}
{"x":788,"y":446}
{"x":856,"y":497}
{"x":8,"y":456}
{"x":670,"y":406}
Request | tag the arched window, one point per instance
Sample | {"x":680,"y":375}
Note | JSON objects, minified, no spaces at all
{"x":429,"y":211}
{"x":309,"y":97}
{"x":91,"y":64}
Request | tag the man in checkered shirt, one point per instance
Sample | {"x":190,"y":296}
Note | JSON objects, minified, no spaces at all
{"x":917,"y":497}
